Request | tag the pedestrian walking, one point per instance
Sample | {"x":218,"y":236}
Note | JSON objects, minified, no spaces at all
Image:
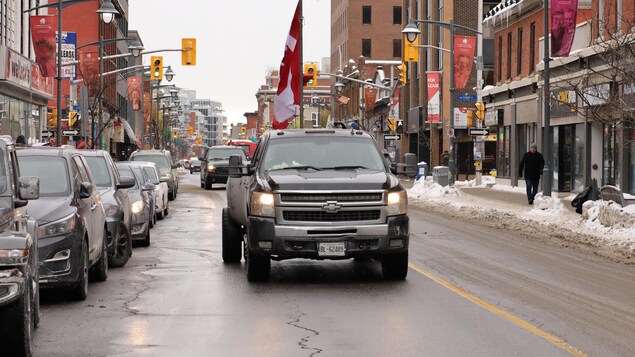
{"x":532,"y":164}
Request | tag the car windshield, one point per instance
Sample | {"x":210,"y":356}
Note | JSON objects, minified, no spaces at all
{"x":152,"y":174}
{"x":224,"y":154}
{"x":158,"y":159}
{"x":99,"y":169}
{"x":126,"y":171}
{"x":52,"y":172}
{"x":320,"y":153}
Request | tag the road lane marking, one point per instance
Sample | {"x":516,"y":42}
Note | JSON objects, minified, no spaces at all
{"x":555,"y":340}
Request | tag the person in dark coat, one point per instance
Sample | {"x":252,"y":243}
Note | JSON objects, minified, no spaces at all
{"x":532,"y":165}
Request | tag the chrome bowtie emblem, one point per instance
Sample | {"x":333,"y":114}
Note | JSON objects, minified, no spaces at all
{"x":331,"y":207}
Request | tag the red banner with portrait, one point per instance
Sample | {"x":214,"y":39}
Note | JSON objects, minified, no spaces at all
{"x":43,"y":38}
{"x":134,"y":91}
{"x":563,"y":21}
{"x":464,"y":47}
{"x":89,"y":71}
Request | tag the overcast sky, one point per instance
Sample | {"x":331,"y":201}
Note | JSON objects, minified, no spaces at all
{"x":238,"y":42}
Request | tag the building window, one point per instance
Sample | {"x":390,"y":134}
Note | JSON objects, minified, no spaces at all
{"x":366,"y":47}
{"x":532,"y":47}
{"x":509,"y":55}
{"x":396,"y":48}
{"x":366,"y":15}
{"x":396,"y":15}
{"x":500,"y":58}
{"x":519,"y":50}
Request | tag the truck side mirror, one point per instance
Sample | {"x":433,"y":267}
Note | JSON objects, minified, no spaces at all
{"x":85,"y":190}
{"x":235,"y":166}
{"x":29,"y":188}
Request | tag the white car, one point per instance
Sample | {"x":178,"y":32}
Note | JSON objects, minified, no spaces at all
{"x":161,"y":190}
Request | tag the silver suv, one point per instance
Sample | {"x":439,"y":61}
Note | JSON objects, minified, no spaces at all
{"x":163,"y":160}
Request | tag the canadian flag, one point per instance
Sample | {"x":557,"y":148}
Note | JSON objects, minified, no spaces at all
{"x":288,"y":94}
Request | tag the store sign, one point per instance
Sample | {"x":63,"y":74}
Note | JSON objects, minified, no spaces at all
{"x":39,"y":83}
{"x":18,"y":69}
{"x":563,"y":103}
{"x":596,"y":95}
{"x":491,"y":117}
{"x":460,"y":118}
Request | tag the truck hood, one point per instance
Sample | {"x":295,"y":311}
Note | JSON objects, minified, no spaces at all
{"x":329,"y":180}
{"x":49,"y":209}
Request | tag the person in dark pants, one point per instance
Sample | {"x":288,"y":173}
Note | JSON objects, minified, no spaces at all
{"x":532,"y":164}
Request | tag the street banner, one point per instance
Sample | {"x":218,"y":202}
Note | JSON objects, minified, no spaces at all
{"x":146,"y":113}
{"x":69,"y":44}
{"x":89,"y":71}
{"x":43,"y":38}
{"x":370,"y":95}
{"x":460,"y":118}
{"x":434,"y":80}
{"x":464,"y":47}
{"x":288,"y":93}
{"x":134,"y":91}
{"x":563,"y":21}
{"x":394,"y":109}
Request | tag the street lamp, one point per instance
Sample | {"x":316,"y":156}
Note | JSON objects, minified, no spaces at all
{"x":107,"y":11}
{"x":173,"y":91}
{"x":169,"y":74}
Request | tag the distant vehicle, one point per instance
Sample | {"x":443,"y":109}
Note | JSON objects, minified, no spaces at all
{"x":163,"y":159}
{"x":114,"y":194}
{"x":161,"y":188}
{"x":215,"y":164}
{"x":19,"y":291}
{"x":140,"y":202}
{"x":71,"y":234}
{"x":195,"y":165}
{"x":247,"y":145}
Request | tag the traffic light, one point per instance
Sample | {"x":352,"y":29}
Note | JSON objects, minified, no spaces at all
{"x":411,"y":49}
{"x":403,"y":73}
{"x":310,"y":69}
{"x":392,"y":124}
{"x":480,"y":111}
{"x":399,"y":127}
{"x":156,"y":67}
{"x":52,"y":118}
{"x":243,"y":130}
{"x":188,"y":54}
{"x":190,"y":130}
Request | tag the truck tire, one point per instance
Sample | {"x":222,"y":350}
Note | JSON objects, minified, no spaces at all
{"x":99,"y":272}
{"x":232,"y":240}
{"x":395,"y":266}
{"x":207,"y":184}
{"x":258,"y":266}
{"x":122,"y":249}
{"x":16,"y":326}
{"x":80,"y":291}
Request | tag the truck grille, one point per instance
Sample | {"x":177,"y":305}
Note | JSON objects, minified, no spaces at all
{"x":339,"y":197}
{"x":321,"y":216}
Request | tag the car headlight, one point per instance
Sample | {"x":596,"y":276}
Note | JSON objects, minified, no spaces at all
{"x":211,"y":168}
{"x":112,"y":210}
{"x":62,"y":226}
{"x":397,"y":203}
{"x":137,"y":207}
{"x":262,"y":204}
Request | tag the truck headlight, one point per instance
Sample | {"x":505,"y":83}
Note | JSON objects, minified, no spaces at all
{"x":262,"y":204}
{"x":211,"y":168}
{"x":397,"y":203}
{"x":112,"y":210}
{"x":61,"y":226}
{"x":137,"y":207}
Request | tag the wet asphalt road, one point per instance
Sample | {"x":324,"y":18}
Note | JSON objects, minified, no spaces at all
{"x":470,"y":291}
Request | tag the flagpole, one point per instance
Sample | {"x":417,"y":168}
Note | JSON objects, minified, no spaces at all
{"x":301,"y":71}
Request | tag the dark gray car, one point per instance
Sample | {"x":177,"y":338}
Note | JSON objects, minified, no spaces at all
{"x":215,"y":164}
{"x":114,"y":194}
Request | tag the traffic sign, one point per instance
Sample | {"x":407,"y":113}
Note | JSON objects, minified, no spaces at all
{"x":466,"y":97}
{"x":478,"y":131}
{"x":392,"y":137}
{"x":69,"y":132}
{"x":47,"y":133}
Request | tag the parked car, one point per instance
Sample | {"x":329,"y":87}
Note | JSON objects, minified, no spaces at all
{"x":163,"y":159}
{"x":186,"y":163}
{"x":142,"y":212}
{"x":215,"y":164}
{"x":195,"y":165}
{"x":19,"y":289}
{"x":114,"y":194}
{"x":161,"y":188}
{"x":71,"y":220}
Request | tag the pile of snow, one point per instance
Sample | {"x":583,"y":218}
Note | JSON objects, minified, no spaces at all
{"x":607,"y":226}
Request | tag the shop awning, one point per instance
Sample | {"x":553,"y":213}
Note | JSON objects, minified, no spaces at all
{"x":132,"y":138}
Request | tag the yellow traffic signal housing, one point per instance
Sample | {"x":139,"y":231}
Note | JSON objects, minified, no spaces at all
{"x":188,"y":54}
{"x":243,"y":130}
{"x":403,"y":73}
{"x":156,"y":68}
{"x":311,"y":69}
{"x":480,"y":111}
{"x":411,"y":50}
{"x":52,"y":118}
{"x":392,"y":124}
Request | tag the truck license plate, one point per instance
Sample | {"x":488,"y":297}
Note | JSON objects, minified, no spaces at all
{"x":332,"y":249}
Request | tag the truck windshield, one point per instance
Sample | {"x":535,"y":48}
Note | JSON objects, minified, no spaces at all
{"x":161,"y":161}
{"x":52,"y":172}
{"x":323,"y":153}
{"x":224,"y":154}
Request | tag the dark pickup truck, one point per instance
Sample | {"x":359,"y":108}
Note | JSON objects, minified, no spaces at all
{"x":315,"y":194}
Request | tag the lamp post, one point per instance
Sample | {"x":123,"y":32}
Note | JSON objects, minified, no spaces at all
{"x":411,"y":32}
{"x":107,"y":12}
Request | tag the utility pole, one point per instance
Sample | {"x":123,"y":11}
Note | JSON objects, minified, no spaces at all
{"x":479,"y":147}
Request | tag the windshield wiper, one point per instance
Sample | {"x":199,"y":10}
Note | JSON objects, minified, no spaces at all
{"x":300,"y":167}
{"x":349,"y":167}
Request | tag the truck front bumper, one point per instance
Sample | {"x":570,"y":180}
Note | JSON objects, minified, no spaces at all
{"x":12,"y":285}
{"x":300,"y":241}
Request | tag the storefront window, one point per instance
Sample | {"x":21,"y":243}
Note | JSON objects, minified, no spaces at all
{"x":19,"y":118}
{"x":503,"y":152}
{"x":610,"y":156}
{"x":578,"y":158}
